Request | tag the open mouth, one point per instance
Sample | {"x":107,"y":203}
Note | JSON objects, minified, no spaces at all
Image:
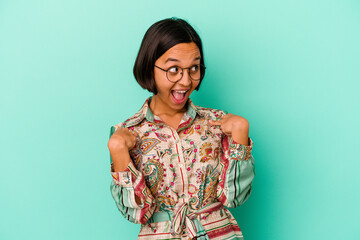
{"x":179,"y":96}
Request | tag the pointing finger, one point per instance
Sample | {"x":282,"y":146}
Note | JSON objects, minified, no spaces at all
{"x":133,"y":132}
{"x":215,"y":122}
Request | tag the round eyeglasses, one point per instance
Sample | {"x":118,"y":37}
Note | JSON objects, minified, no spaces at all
{"x":175,"y":73}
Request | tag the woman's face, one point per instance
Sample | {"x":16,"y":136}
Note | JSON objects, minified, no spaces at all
{"x":175,"y":95}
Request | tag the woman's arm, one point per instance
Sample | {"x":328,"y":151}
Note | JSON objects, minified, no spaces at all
{"x":237,"y":164}
{"x":132,"y":197}
{"x":237,"y":173}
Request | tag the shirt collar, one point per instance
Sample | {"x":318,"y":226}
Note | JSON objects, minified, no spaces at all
{"x":145,"y":112}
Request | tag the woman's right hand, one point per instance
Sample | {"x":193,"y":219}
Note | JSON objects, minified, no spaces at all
{"x":122,"y":139}
{"x":119,"y":145}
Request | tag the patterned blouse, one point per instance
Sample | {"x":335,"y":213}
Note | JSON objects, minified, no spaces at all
{"x":183,"y":177}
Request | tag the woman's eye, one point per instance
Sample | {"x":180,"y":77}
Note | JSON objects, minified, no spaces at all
{"x":194,"y":68}
{"x":174,"y":69}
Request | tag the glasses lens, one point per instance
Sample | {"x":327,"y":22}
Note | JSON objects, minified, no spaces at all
{"x":195,"y":72}
{"x":174,"y":74}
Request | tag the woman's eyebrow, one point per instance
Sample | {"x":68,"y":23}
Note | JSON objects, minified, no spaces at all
{"x":171,"y":59}
{"x":176,"y":60}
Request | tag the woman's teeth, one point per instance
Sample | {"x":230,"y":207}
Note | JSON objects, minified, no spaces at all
{"x":179,"y":95}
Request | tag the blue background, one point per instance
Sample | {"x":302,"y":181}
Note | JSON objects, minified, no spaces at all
{"x":290,"y":67}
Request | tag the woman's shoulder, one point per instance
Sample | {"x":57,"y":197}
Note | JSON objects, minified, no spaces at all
{"x":134,"y":120}
{"x":210,"y":113}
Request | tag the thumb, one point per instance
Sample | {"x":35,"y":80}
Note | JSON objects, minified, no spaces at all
{"x":135,"y":133}
{"x":217,"y":123}
{"x":132,"y":131}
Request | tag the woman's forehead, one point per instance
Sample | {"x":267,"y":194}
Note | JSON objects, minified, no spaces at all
{"x":181,"y":52}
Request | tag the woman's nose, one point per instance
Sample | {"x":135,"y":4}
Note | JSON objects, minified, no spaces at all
{"x":186,"y":79}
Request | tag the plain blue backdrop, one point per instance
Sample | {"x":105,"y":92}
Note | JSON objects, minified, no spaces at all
{"x":290,"y":67}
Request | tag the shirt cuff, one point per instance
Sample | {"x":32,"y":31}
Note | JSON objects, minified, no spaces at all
{"x":127,"y":177}
{"x":240,"y":151}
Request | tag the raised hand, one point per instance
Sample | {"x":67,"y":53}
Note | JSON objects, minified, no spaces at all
{"x":122,"y":138}
{"x":234,"y":126}
{"x":119,"y":145}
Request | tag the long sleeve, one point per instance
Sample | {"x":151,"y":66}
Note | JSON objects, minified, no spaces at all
{"x":236,"y":174}
{"x":125,"y":186}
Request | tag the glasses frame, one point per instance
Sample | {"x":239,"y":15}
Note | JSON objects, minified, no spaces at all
{"x":182,"y":72}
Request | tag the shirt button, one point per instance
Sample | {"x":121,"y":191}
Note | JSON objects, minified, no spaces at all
{"x":180,"y":165}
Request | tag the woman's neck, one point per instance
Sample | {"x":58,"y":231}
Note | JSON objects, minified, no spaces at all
{"x":171,"y":117}
{"x":160,"y":108}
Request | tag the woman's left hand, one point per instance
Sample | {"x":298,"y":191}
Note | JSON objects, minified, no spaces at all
{"x":235,"y":127}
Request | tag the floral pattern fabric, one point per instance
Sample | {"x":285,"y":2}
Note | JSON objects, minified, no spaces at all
{"x":183,"y":178}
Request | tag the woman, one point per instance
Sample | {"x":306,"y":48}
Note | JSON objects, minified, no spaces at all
{"x":176,"y":165}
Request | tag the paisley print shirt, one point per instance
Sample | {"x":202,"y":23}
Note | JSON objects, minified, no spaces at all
{"x":185,"y":178}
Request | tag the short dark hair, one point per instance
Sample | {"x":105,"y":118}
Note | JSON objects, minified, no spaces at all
{"x":159,"y":38}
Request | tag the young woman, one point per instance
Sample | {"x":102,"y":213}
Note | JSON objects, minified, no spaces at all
{"x":175,"y":165}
